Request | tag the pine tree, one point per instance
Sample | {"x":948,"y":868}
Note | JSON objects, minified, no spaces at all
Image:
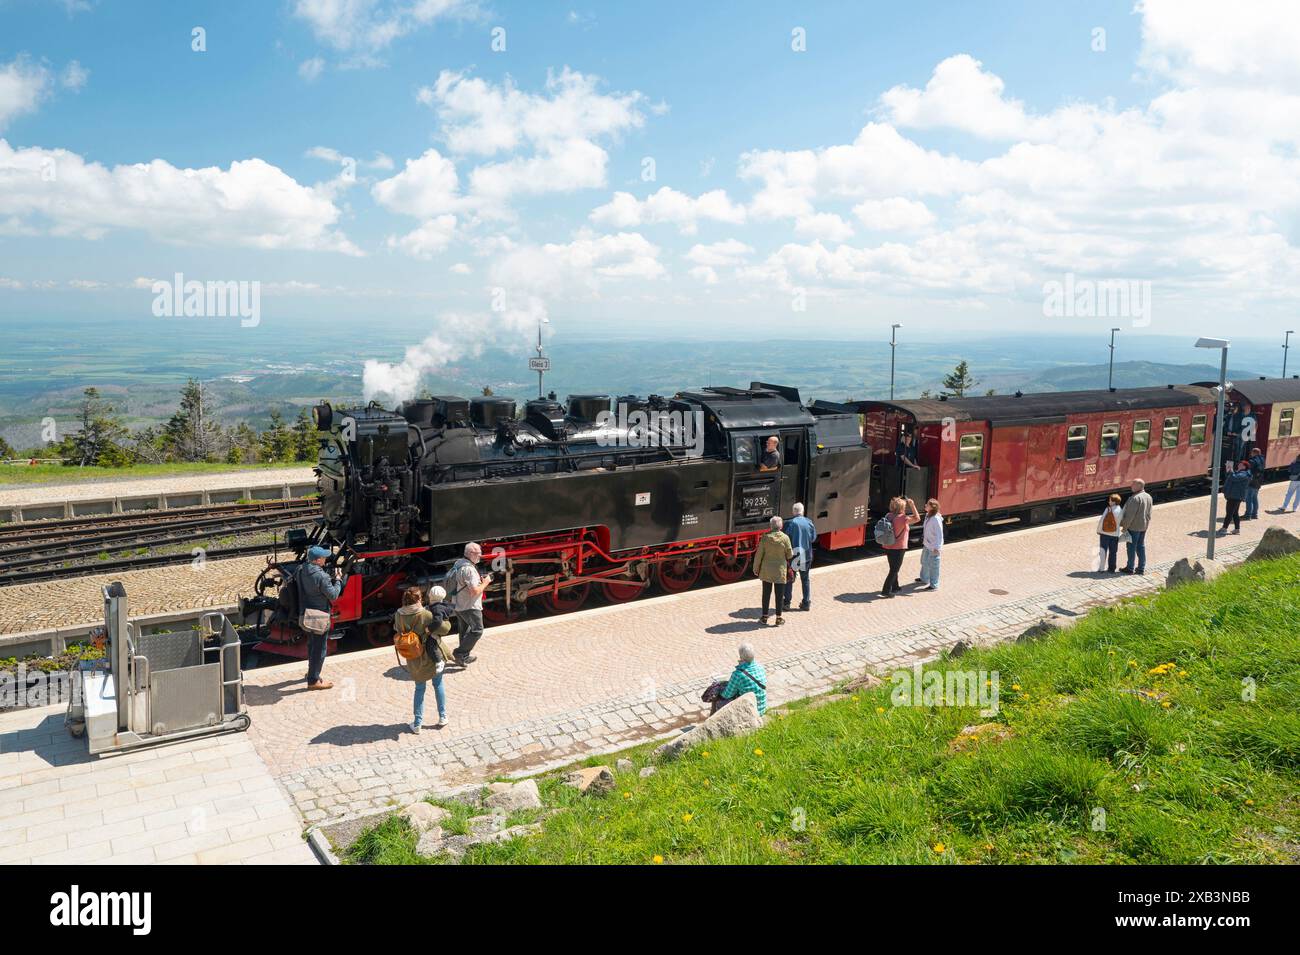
{"x":277,"y":441}
{"x":304,"y":437}
{"x":192,"y":433}
{"x":98,"y":442}
{"x":6,"y":450}
{"x":959,"y":381}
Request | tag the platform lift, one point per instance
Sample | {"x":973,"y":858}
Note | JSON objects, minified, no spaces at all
{"x":153,"y":688}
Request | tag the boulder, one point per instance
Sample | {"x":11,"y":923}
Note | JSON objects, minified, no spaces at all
{"x":480,"y":826}
{"x":647,"y":771}
{"x":1276,"y":542}
{"x":737,"y":718}
{"x":430,"y":841}
{"x":958,"y":650}
{"x":1193,"y":569}
{"x":456,"y":846}
{"x":593,"y":780}
{"x":508,"y":797}
{"x":1045,"y":627}
{"x":423,"y":816}
{"x":624,"y":766}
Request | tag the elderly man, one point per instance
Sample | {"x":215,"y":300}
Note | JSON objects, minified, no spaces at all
{"x":771,"y":460}
{"x":1135,"y":519}
{"x":748,"y":677}
{"x":317,"y":589}
{"x":802,"y":534}
{"x":465,"y":590}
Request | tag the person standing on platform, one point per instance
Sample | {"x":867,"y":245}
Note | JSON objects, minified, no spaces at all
{"x":1135,"y":520}
{"x":932,"y":545}
{"x":803,"y":535}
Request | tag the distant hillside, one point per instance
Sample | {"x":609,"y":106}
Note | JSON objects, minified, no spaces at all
{"x":1128,"y":374}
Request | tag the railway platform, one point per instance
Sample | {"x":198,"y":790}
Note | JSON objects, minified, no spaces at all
{"x":552,"y":690}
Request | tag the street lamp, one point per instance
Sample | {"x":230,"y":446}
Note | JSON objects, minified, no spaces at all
{"x":1221,"y":344}
{"x":1110,"y":377}
{"x":1286,"y":347}
{"x":540,"y":364}
{"x":893,"y":345}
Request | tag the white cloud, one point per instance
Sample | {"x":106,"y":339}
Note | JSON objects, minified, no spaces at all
{"x":706,"y":274}
{"x":365,"y":27}
{"x":823,"y":225}
{"x":426,"y":187}
{"x":1193,"y":41}
{"x":74,"y":76}
{"x":959,"y":95}
{"x":895,"y":214}
{"x":87,"y":285}
{"x":252,"y":203}
{"x":311,"y":69}
{"x":10,"y":283}
{"x":460,"y":268}
{"x":23,"y":85}
{"x":724,"y":253}
{"x":432,"y":237}
{"x":667,"y":205}
{"x":585,"y":264}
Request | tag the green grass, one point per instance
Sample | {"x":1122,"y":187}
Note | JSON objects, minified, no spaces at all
{"x":1109,"y":762}
{"x":58,"y":474}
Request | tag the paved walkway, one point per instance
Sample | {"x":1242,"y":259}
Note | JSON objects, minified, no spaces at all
{"x":207,"y":801}
{"x":555,"y":689}
{"x":42,"y":493}
{"x":543,"y":692}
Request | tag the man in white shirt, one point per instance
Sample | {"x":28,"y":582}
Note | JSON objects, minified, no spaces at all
{"x":932,"y":544}
{"x":465,"y":590}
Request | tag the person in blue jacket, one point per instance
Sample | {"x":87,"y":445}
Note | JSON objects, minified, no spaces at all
{"x":803,"y":535}
{"x":1235,"y":487}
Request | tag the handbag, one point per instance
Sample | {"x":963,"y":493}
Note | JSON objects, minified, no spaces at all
{"x":315,"y":622}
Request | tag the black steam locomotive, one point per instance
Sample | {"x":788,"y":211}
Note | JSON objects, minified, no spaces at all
{"x":595,"y":494}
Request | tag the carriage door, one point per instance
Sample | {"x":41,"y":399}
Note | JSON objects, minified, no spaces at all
{"x":1008,"y":461}
{"x":792,"y":470}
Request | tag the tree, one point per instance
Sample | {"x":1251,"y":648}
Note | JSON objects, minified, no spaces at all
{"x":959,"y":381}
{"x":245,"y":445}
{"x":6,"y":451}
{"x":97,"y":442}
{"x":192,"y":433}
{"x":304,"y":437}
{"x":487,"y":391}
{"x":277,"y":441}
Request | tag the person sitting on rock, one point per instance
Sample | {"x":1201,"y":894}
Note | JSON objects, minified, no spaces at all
{"x":748,"y":677}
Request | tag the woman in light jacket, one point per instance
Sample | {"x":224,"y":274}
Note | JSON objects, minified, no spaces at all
{"x":772,"y":565}
{"x":1108,"y":532}
{"x":413,"y":617}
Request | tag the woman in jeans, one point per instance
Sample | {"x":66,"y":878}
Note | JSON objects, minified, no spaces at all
{"x":1235,"y":488}
{"x":902,"y":514}
{"x":414,"y":617}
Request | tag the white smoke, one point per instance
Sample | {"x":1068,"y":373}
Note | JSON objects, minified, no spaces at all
{"x":457,"y":336}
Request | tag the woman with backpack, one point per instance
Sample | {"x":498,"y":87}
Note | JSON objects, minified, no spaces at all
{"x":772,"y":567}
{"x":1109,"y":532}
{"x":902,"y":515}
{"x":416,"y":638}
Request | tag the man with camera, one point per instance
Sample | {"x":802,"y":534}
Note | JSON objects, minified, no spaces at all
{"x":465,"y":588}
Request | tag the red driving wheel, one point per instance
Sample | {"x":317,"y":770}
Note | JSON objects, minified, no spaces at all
{"x":566,"y":599}
{"x":616,"y":593}
{"x":679,"y":573}
{"x":727,"y":568}
{"x":495,"y":612}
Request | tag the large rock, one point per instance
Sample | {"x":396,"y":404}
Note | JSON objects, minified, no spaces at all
{"x":508,"y":797}
{"x":624,"y":765}
{"x":456,"y":846}
{"x":647,"y":771}
{"x":430,"y":842}
{"x":486,"y":825}
{"x":423,"y":816}
{"x":593,"y":780}
{"x":1044,"y":628}
{"x":737,"y":718}
{"x":1193,"y":569}
{"x":1276,"y":542}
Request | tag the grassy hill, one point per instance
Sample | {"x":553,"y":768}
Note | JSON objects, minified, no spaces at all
{"x":1165,"y":730}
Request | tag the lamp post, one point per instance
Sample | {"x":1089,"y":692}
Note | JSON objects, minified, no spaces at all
{"x":1221,"y":344}
{"x":540,"y":364}
{"x":893,"y":345}
{"x":1286,"y":347}
{"x":1110,"y":377}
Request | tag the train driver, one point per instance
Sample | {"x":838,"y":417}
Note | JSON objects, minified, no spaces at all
{"x":771,"y":460}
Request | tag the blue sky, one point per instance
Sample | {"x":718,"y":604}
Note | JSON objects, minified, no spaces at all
{"x":929,"y":163}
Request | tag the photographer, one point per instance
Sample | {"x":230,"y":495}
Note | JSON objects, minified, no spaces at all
{"x":465,"y":589}
{"x":317,"y":589}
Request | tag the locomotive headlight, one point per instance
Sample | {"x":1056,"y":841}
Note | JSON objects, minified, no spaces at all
{"x":323,"y":415}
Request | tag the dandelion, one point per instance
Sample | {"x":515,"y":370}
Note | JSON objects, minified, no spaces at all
{"x":1132,"y":663}
{"x":880,"y":709}
{"x":988,"y":846}
{"x":658,"y":860}
{"x":1165,"y":703}
{"x":940,"y":848}
{"x":1015,"y":686}
{"x":687,"y":817}
{"x":627,"y":795}
{"x":758,"y":752}
{"x":1250,"y":802}
{"x":707,"y":783}
{"x":705,"y":754}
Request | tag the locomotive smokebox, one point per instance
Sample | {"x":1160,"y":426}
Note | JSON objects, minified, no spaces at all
{"x":487,"y":411}
{"x":587,"y":407}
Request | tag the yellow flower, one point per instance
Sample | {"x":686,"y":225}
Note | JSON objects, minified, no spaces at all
{"x":1015,"y":686}
{"x":758,"y":752}
{"x":687,"y":817}
{"x":1250,"y":802}
{"x":707,"y":783}
{"x":705,"y":754}
{"x":1132,"y":663}
{"x":988,"y":846}
{"x":658,"y":860}
{"x":880,"y":709}
{"x":1165,"y":703}
{"x":627,"y":795}
{"x":940,"y":848}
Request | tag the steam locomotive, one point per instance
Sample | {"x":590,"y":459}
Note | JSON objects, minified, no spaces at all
{"x":619,"y":496}
{"x":567,"y":498}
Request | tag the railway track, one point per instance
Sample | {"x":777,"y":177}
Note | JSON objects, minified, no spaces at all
{"x":76,"y":547}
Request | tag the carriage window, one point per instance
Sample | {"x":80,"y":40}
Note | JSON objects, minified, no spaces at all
{"x":970,"y":453}
{"x":1109,"y":439}
{"x":1076,"y":442}
{"x":1285,"y":423}
{"x":1198,"y":428}
{"x":744,"y":451}
{"x":1141,"y":435}
{"x":1169,"y":436}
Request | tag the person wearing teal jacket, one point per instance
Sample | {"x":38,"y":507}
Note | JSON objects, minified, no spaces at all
{"x":748,"y":677}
